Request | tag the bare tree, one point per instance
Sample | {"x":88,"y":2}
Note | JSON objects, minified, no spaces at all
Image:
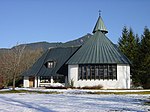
{"x":29,"y":58}
{"x":17,"y":53}
{"x":5,"y":68}
{"x":15,"y":61}
{"x":10,"y":64}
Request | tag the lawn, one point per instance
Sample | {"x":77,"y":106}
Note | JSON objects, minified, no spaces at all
{"x":71,"y":101}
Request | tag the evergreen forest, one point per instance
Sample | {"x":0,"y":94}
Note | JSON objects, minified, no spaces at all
{"x":137,"y":50}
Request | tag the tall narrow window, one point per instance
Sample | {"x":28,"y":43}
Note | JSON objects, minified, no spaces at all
{"x":92,"y":72}
{"x":88,"y":71}
{"x":110,"y":72}
{"x":84,"y":72}
{"x":105,"y":72}
{"x":96,"y":72}
{"x":114,"y":71}
{"x":101,"y":72}
{"x":80,"y":73}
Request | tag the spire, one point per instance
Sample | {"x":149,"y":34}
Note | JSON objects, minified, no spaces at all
{"x":100,"y":25}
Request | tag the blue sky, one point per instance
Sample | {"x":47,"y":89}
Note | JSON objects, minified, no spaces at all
{"x":28,"y":21}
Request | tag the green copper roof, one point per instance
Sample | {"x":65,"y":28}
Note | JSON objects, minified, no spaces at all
{"x":98,"y":50}
{"x":100,"y":26}
{"x":59,"y":55}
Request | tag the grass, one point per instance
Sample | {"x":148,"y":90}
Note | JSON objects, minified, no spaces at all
{"x":58,"y":87}
{"x":27,"y":91}
{"x":120,"y":93}
{"x":13,"y":91}
{"x":42,"y":92}
{"x":98,"y":87}
{"x":55,"y":92}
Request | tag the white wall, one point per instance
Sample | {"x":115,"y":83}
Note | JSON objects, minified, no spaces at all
{"x":73,"y":74}
{"x":122,"y":82}
{"x":123,"y":75}
{"x":26,"y":82}
{"x":36,"y":82}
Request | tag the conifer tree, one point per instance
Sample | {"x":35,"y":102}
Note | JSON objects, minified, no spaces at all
{"x":144,"y":59}
{"x":123,"y":40}
{"x":131,"y":45}
{"x":135,"y":67}
{"x":128,"y":44}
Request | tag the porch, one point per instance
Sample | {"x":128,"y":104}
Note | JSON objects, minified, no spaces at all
{"x":44,"y":81}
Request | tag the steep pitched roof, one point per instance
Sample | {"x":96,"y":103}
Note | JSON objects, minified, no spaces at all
{"x":100,"y":26}
{"x":98,"y":49}
{"x":60,"y":55}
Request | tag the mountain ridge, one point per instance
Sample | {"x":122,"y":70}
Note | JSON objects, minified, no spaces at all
{"x":45,"y":45}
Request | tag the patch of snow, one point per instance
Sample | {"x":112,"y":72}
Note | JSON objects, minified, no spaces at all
{"x":57,"y":85}
{"x":8,"y":89}
{"x":67,"y":91}
{"x":66,"y":102}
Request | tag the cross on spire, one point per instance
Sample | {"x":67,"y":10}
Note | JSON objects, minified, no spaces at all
{"x":99,"y":12}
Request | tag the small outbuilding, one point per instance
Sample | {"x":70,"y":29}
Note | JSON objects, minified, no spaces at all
{"x":96,"y":62}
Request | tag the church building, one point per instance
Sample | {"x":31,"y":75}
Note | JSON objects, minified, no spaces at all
{"x":97,"y":62}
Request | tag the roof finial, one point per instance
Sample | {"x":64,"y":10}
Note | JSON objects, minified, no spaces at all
{"x":99,"y":12}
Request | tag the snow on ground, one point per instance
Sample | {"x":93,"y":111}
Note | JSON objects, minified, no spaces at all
{"x":77,"y":90}
{"x":66,"y":102}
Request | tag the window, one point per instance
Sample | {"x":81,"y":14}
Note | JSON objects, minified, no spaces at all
{"x":59,"y":78}
{"x":105,"y":73}
{"x":101,"y":72}
{"x":80,"y":73}
{"x":50,"y":64}
{"x":114,"y":72}
{"x":110,"y":72}
{"x":92,"y":72}
{"x":97,"y":71}
{"x":84,"y":72}
{"x":45,"y":79}
{"x":88,"y":71}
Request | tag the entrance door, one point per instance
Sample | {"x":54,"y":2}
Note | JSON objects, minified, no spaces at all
{"x":31,"y":81}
